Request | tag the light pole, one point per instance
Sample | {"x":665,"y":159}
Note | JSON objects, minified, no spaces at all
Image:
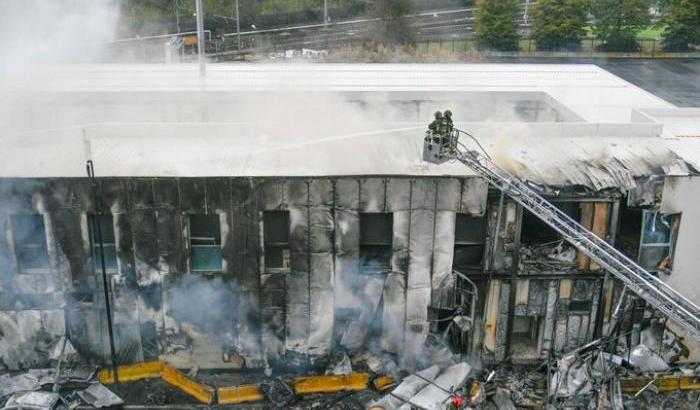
{"x":97,"y":232}
{"x":177,"y":15}
{"x":325,"y":13}
{"x":238,"y":26}
{"x":200,"y":37}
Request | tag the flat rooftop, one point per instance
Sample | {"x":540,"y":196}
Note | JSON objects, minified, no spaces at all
{"x":551,"y":124}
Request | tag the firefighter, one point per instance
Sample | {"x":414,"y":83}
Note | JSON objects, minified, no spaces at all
{"x":445,"y":126}
{"x":450,"y":124}
{"x":434,"y":126}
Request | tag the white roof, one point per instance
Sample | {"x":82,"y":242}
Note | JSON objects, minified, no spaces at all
{"x":180,"y":150}
{"x":596,"y":94}
{"x":604,"y":143}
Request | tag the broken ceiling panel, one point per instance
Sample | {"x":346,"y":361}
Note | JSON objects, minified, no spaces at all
{"x":595,"y":163}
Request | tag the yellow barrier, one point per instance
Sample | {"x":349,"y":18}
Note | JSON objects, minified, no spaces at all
{"x":240,"y":394}
{"x":330,"y":384}
{"x":148,"y":370}
{"x":199,"y":391}
{"x":663,"y":383}
{"x":382,"y":383}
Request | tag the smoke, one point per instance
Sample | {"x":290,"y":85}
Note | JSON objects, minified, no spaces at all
{"x":37,"y":33}
{"x":208,"y":304}
{"x":55,"y":31}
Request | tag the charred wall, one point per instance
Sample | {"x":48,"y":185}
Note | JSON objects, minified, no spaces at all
{"x":540,"y":294}
{"x":258,"y":314}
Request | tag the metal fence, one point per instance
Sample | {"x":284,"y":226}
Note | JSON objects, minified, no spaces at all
{"x":456,"y":46}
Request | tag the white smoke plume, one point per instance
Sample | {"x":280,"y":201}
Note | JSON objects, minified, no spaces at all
{"x":55,"y":31}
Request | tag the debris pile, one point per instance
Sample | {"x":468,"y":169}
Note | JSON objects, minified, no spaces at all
{"x":557,"y":256}
{"x":608,"y":373}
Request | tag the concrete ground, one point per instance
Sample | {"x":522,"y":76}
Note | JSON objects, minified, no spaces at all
{"x":675,"y":80}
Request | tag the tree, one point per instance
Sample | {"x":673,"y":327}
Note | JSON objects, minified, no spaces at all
{"x":497,"y":24}
{"x":393,"y":27}
{"x":558,"y":24}
{"x":680,"y":20}
{"x":617,"y":22}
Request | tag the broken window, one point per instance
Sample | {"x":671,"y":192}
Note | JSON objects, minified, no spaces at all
{"x":658,"y":233}
{"x":205,"y":243}
{"x":545,"y":249}
{"x":276,"y":237}
{"x":109,"y":246}
{"x":376,"y":234}
{"x":536,"y":231}
{"x":629,"y":231}
{"x":469,"y":242}
{"x":579,"y":307}
{"x":29,"y":237}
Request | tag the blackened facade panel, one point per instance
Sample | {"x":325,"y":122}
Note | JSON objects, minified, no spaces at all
{"x":372,"y":195}
{"x":141,"y":193}
{"x":169,"y":230}
{"x":218,"y":195}
{"x":145,"y":243}
{"x":72,"y":258}
{"x":166,"y":193}
{"x":193,"y":198}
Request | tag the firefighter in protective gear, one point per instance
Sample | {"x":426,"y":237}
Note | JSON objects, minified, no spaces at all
{"x":450,"y":124}
{"x":434,"y":126}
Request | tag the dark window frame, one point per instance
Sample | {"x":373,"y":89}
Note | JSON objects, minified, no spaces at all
{"x":203,"y":244}
{"x":22,"y":248}
{"x":280,"y":244}
{"x":474,"y":243}
{"x":668,"y":245}
{"x":375,"y":250}
{"x":110,"y":247}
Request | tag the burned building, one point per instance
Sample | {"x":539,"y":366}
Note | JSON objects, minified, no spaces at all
{"x":245,"y":223}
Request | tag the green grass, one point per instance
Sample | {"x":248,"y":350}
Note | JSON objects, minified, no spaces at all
{"x":648,"y":33}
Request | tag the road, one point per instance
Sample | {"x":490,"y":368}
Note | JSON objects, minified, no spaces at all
{"x":675,"y":80}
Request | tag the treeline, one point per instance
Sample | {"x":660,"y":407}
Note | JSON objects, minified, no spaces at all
{"x":561,"y":24}
{"x":555,"y":24}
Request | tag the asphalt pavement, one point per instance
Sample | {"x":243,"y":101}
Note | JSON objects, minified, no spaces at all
{"x":675,"y":80}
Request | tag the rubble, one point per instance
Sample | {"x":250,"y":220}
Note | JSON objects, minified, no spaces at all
{"x":62,"y":350}
{"x":408,"y":388}
{"x":99,"y":396}
{"x":20,"y":383}
{"x":503,"y":401}
{"x":38,"y":400}
{"x":439,"y":392}
{"x":277,"y":392}
{"x":603,"y":373}
{"x":572,"y":378}
{"x":642,"y":358}
{"x":340,"y":364}
{"x":430,"y":388}
{"x":557,"y":256}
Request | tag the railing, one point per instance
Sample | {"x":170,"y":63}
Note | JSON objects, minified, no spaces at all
{"x":457,"y":46}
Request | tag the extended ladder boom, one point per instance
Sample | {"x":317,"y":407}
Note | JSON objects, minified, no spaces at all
{"x":443,"y":146}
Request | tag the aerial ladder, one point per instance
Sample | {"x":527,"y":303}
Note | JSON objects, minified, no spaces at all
{"x":441,"y":144}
